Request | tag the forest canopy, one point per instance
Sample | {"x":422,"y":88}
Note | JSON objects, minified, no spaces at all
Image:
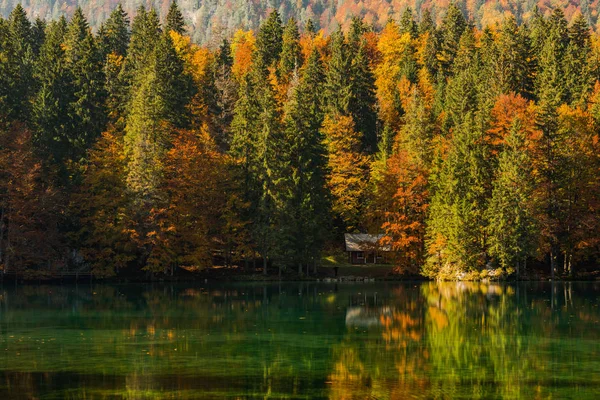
{"x":131,"y":148}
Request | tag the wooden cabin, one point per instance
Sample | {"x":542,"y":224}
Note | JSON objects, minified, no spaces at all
{"x":364,"y":248}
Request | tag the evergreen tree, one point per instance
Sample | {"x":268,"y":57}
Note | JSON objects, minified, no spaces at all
{"x":363,"y":101}
{"x":173,"y":84}
{"x":452,"y":28}
{"x":226,"y":92}
{"x":38,"y":34}
{"x":300,"y":192}
{"x":511,"y":229}
{"x":408,"y":24}
{"x":145,"y":34}
{"x":338,"y":86}
{"x":291,"y":55}
{"x":51,"y":134}
{"x":456,"y":229}
{"x":113,"y":35}
{"x":18,"y":60}
{"x":175,"y":20}
{"x":426,"y":24}
{"x":84,"y":65}
{"x":269,"y":41}
{"x":577,"y":69}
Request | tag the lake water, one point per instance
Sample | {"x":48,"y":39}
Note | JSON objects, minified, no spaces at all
{"x":301,"y":340}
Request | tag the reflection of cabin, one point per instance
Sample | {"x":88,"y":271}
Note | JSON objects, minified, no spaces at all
{"x":364,"y":248}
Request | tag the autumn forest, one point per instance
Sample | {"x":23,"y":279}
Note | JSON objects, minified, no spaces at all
{"x":131,"y":149}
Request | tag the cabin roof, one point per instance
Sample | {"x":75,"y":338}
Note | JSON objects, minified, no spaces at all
{"x":364,"y":242}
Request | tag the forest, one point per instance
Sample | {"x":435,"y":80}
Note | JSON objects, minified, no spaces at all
{"x":133,"y":150}
{"x":209,"y":21}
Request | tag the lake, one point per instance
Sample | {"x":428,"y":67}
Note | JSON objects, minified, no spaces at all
{"x":301,"y":340}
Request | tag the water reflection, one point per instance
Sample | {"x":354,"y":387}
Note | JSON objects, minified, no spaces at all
{"x":349,"y":341}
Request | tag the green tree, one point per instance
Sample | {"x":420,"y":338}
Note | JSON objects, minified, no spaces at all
{"x":451,"y":30}
{"x":300,"y":192}
{"x":456,"y":230}
{"x":83,"y":63}
{"x":291,"y":55}
{"x":338,"y":86}
{"x":113,"y":35}
{"x":269,"y":41}
{"x":175,"y":21}
{"x":511,"y":214}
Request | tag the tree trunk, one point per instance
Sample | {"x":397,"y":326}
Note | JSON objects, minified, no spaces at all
{"x":299,"y":269}
{"x":1,"y":234}
{"x":265,"y":264}
{"x":552,"y":263}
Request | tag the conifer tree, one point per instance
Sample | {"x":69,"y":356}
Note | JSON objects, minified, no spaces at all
{"x":175,"y":21}
{"x":113,"y":35}
{"x":51,"y":133}
{"x":291,"y":55}
{"x":511,"y":229}
{"x":362,"y":104}
{"x":577,"y":69}
{"x":18,"y":60}
{"x":452,"y":28}
{"x":84,"y":66}
{"x":269,"y":40}
{"x":456,"y":229}
{"x":408,"y":24}
{"x":300,"y":192}
{"x":338,"y":86}
{"x":38,"y":34}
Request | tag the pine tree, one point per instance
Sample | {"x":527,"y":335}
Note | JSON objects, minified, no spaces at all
{"x":51,"y":134}
{"x":577,"y":69}
{"x":426,"y":24}
{"x":338,"y":87}
{"x":291,"y":55}
{"x":453,"y":26}
{"x":38,"y":34}
{"x":84,"y":65}
{"x":18,"y":60}
{"x":113,"y":35}
{"x":175,"y":21}
{"x":226,"y":92}
{"x":408,"y":24}
{"x":269,"y":40}
{"x":300,"y":193}
{"x":173,"y":84}
{"x":456,"y":227}
{"x":362,"y":105}
{"x":511,"y":229}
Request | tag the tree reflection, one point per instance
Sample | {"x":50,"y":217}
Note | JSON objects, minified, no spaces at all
{"x":305,"y":340}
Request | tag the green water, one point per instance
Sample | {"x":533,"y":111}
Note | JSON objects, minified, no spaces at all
{"x":345,"y":341}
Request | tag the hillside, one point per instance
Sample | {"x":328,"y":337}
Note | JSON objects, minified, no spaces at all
{"x":210,"y":19}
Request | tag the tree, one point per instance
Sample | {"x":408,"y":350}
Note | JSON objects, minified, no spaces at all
{"x":30,"y":208}
{"x":362,"y":106}
{"x":338,"y":86}
{"x":511,"y":212}
{"x":451,"y":30}
{"x":456,"y":227}
{"x":299,"y":189}
{"x":291,"y":55}
{"x":269,"y":41}
{"x":51,"y":126}
{"x":349,"y":171}
{"x":107,"y":235}
{"x":83,"y":63}
{"x":175,"y":21}
{"x":113,"y":35}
